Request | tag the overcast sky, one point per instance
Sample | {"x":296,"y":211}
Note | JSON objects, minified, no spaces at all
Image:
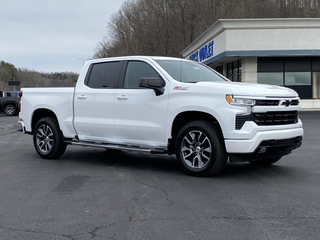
{"x":50,"y":36}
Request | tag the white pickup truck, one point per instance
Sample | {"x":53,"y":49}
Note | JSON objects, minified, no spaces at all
{"x":166,"y":106}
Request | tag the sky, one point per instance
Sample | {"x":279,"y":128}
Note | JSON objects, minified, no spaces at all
{"x":53,"y":36}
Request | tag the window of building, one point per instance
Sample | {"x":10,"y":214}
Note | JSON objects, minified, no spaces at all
{"x":272,"y":78}
{"x":300,"y":74}
{"x":270,"y":64}
{"x":219,"y":69}
{"x":234,"y":71}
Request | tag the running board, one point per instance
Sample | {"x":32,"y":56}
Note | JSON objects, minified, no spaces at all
{"x":119,"y":147}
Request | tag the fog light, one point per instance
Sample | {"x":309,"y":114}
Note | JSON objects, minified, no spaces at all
{"x":262,"y":150}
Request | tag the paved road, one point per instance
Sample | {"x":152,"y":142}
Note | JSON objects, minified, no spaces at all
{"x":95,"y":194}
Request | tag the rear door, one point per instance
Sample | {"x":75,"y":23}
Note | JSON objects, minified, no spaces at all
{"x":94,"y":102}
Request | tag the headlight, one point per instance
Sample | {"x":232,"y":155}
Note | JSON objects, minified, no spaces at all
{"x":239,"y":101}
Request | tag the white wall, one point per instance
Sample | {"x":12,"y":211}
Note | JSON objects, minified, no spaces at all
{"x":310,"y":104}
{"x":249,"y":69}
{"x":272,"y":39}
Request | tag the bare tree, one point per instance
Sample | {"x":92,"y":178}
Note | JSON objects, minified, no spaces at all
{"x":165,"y":27}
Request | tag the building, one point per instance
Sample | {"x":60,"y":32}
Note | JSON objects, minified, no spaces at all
{"x":283,"y":52}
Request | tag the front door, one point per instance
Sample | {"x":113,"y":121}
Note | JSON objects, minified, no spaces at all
{"x":140,"y":115}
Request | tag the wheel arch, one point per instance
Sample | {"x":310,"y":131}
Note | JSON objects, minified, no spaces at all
{"x":185,"y":117}
{"x":4,"y":104}
{"x":41,"y":113}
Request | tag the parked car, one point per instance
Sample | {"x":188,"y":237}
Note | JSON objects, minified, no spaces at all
{"x":9,"y":102}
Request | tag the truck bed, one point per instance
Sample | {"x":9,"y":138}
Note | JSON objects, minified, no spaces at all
{"x":58,"y":100}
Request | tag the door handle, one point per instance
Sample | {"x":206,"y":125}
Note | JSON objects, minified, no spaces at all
{"x":82,"y":96}
{"x":122,"y":97}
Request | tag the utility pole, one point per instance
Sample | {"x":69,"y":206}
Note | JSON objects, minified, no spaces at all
{"x":82,"y":60}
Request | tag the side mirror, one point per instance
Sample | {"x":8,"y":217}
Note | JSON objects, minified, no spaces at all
{"x":157,"y":84}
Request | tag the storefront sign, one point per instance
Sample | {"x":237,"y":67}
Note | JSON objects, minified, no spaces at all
{"x":203,"y":53}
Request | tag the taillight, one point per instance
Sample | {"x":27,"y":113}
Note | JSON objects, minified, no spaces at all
{"x":20,"y":95}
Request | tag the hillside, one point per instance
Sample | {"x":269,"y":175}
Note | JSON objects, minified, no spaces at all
{"x":31,"y":78}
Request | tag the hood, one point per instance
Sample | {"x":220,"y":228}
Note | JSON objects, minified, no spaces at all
{"x":252,"y":89}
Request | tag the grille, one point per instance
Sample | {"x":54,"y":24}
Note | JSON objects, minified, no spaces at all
{"x":267,"y":102}
{"x":268,"y":118}
{"x":293,"y":103}
{"x":276,"y":103}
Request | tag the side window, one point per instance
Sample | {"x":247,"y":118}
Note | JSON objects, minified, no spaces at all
{"x":135,"y":71}
{"x":104,"y":75}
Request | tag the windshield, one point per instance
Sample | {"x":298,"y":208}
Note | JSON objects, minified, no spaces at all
{"x":188,"y":71}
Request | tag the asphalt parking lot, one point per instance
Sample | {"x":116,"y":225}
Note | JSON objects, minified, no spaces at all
{"x":95,"y":194}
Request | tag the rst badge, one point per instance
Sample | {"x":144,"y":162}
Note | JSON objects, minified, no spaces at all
{"x":180,"y":88}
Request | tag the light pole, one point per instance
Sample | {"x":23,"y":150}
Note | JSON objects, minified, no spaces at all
{"x":82,"y":60}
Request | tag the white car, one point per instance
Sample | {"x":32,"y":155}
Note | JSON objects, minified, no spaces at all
{"x":167,"y":106}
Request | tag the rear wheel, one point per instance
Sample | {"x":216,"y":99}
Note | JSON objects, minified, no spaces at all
{"x":47,"y":139}
{"x":10,"y":110}
{"x":200,"y":149}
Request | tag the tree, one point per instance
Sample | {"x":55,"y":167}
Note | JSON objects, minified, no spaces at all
{"x":8,"y":71}
{"x":166,"y":27}
{"x":27,"y":78}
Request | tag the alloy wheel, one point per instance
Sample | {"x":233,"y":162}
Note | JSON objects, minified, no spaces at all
{"x":196,"y":149}
{"x":44,"y":138}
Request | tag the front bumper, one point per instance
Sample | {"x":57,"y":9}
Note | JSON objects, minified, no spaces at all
{"x":264,"y":144}
{"x":269,"y":149}
{"x":243,"y":146}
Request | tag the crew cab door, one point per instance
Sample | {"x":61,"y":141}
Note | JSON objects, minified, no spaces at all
{"x":140,"y":115}
{"x":94,"y":102}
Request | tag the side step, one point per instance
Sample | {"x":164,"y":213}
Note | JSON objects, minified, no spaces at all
{"x":118,"y":147}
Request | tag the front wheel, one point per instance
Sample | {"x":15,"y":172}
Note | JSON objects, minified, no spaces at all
{"x":47,"y":139}
{"x":200,"y":149}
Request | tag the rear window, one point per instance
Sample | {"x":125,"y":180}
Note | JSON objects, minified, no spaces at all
{"x":104,"y":75}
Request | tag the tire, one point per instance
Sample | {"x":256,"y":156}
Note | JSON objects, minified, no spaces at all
{"x":47,"y":139}
{"x":200,"y":149}
{"x":10,"y":109}
{"x":265,"y":162}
